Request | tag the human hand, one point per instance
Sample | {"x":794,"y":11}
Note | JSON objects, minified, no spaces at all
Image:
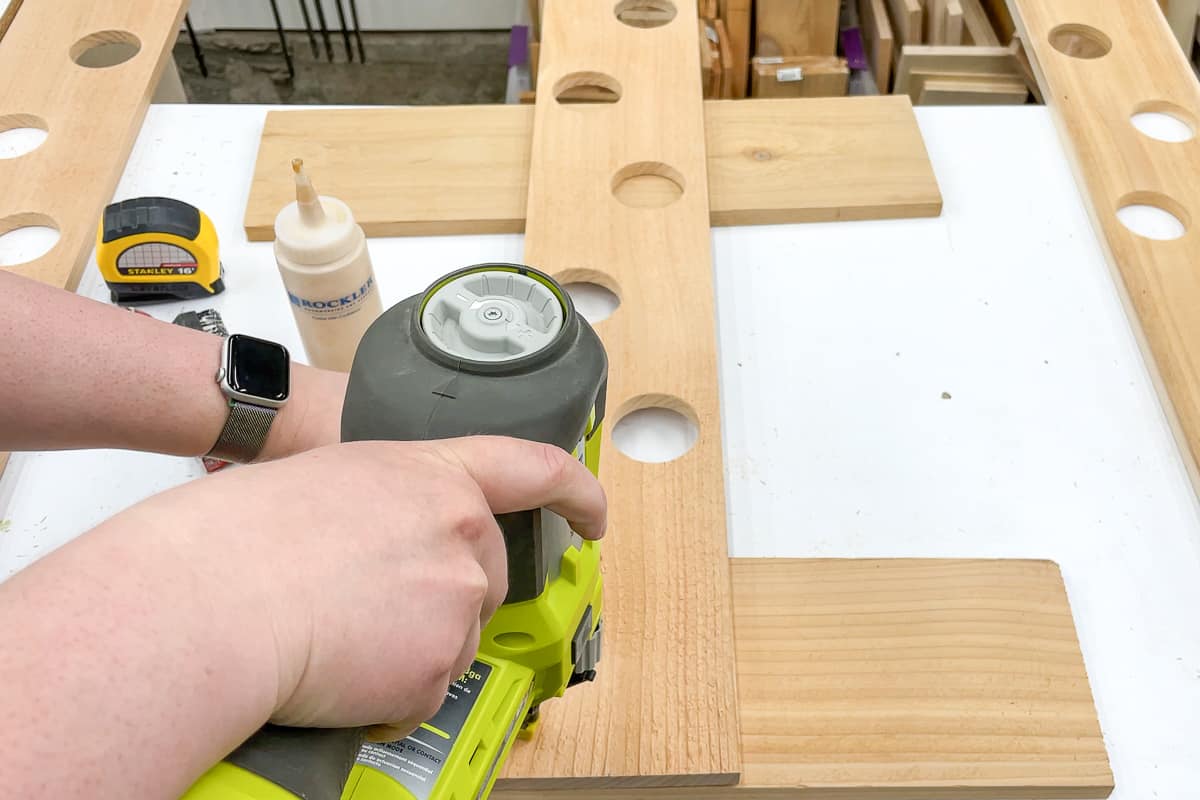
{"x":312,"y":417}
{"x":375,"y":564}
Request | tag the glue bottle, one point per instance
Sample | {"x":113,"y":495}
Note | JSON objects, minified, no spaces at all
{"x":322,"y":256}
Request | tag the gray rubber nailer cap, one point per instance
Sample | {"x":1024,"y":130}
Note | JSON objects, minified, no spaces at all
{"x":492,"y":316}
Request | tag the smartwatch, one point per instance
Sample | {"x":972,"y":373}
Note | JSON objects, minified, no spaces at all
{"x":255,"y":376}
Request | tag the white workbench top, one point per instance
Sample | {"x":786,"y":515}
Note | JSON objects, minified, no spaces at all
{"x":837,"y":342}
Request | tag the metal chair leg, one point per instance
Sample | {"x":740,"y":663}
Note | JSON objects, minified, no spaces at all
{"x":308,"y":28}
{"x":345,"y":30}
{"x":287,"y":56}
{"x":196,"y":50}
{"x":362,"y":53}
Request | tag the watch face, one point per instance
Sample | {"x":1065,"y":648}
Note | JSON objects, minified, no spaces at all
{"x":258,"y":367}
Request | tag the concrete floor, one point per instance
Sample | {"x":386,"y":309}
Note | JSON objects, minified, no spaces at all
{"x":440,"y":68}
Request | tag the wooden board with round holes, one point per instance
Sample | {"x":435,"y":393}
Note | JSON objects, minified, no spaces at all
{"x":618,"y":195}
{"x":1099,"y":64}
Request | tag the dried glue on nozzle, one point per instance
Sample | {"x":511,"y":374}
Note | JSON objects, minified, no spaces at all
{"x":322,"y":256}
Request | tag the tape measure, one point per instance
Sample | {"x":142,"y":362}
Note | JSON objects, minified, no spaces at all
{"x":491,"y":349}
{"x":156,"y":249}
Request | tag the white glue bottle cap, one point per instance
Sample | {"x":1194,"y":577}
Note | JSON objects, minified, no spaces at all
{"x":314,"y":230}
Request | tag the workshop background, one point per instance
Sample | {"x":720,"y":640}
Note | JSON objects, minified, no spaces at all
{"x":368,"y":52}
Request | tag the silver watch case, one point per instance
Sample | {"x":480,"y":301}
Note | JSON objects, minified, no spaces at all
{"x":234,"y":394}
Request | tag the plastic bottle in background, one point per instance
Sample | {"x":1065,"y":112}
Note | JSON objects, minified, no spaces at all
{"x":322,"y":256}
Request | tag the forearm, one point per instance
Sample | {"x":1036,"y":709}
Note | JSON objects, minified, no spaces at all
{"x":78,"y":373}
{"x":130,"y":665}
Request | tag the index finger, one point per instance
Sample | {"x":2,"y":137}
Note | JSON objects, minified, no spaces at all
{"x":518,"y":475}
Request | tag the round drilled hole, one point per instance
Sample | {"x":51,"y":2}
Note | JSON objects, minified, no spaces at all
{"x":645,"y":13}
{"x":595,"y":295}
{"x":659,"y":428}
{"x":21,"y":134}
{"x":647,"y":184}
{"x":105,"y":49}
{"x":592,"y":301}
{"x":587,"y":87}
{"x":1153,"y":215}
{"x":26,"y":237}
{"x":1164,"y":121}
{"x":1080,"y":41}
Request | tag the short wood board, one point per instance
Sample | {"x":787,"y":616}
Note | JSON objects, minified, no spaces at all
{"x":905,"y":679}
{"x":465,"y":169}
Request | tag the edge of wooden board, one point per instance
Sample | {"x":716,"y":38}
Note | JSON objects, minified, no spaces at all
{"x":1154,"y":370}
{"x":927,"y":203}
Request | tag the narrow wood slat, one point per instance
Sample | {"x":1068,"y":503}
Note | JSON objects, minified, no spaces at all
{"x":465,"y":170}
{"x":618,"y":195}
{"x":92,"y":116}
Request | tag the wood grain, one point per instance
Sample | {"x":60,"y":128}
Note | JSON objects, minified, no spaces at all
{"x":1115,"y":164}
{"x":726,"y":56}
{"x":992,"y":61}
{"x":796,"y":27}
{"x":823,"y":76}
{"x":908,"y":20}
{"x":978,"y":28}
{"x":880,"y":43}
{"x":906,"y":679}
{"x":1001,"y":17}
{"x":736,"y":14}
{"x":92,"y":115}
{"x":466,"y":170}
{"x":817,"y":160}
{"x":953,"y":23}
{"x":664,"y":708}
{"x":971,"y":91}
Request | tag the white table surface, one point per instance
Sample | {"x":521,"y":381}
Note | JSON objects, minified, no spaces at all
{"x":837,"y":342}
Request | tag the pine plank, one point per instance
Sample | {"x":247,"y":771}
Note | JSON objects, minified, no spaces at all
{"x":972,"y":91}
{"x":880,"y":43}
{"x":736,"y":14}
{"x":997,"y":61}
{"x":1115,"y":165}
{"x":639,"y":724}
{"x":908,"y":20}
{"x":92,"y":115}
{"x":821,"y":76}
{"x":796,"y":27}
{"x":953,"y":23}
{"x":905,"y":679}
{"x":978,"y":27}
{"x":465,"y":170}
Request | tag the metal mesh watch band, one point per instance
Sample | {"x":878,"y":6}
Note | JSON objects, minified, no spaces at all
{"x":244,"y":434}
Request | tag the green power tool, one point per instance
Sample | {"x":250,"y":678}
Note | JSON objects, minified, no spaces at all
{"x":490,"y":349}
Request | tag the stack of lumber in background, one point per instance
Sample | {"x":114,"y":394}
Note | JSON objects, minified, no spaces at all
{"x":938,"y":52}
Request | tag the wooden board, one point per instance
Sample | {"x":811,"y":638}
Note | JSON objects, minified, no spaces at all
{"x":796,"y":27}
{"x":1023,"y":64}
{"x":972,"y":91}
{"x":726,"y":57}
{"x":463,"y":170}
{"x":996,"y":61}
{"x":935,"y":22}
{"x":821,"y":76}
{"x":92,"y":115}
{"x":663,"y":710}
{"x":6,"y":18}
{"x":817,"y":160}
{"x":953,"y":23}
{"x":736,"y":14}
{"x":908,"y":20}
{"x":906,"y":679}
{"x":710,"y":60}
{"x":978,"y":28}
{"x":1002,"y":21}
{"x":880,"y":43}
{"x":1116,"y":164}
